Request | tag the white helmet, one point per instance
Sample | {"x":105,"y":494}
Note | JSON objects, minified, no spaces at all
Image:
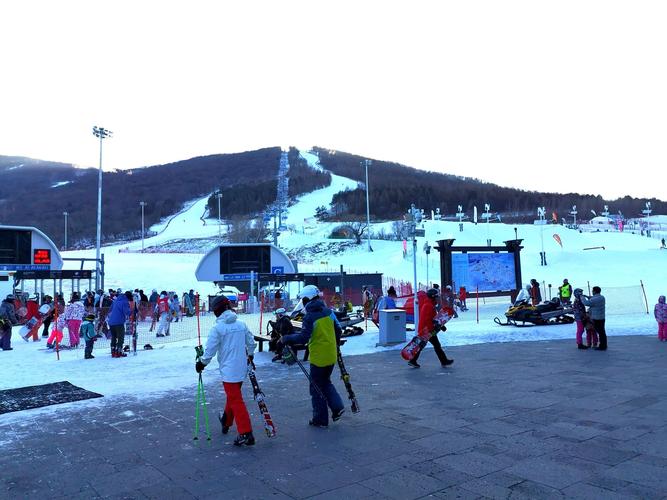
{"x":309,"y":292}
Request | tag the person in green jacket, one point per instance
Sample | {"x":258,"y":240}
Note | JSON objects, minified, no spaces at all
{"x":89,"y":335}
{"x":321,"y":331}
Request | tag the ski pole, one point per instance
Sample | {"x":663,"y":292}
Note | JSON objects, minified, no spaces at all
{"x":291,"y":358}
{"x":201,"y":401}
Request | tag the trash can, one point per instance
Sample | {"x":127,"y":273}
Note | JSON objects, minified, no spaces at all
{"x":392,"y":326}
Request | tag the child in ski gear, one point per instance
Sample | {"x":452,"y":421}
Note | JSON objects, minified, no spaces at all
{"x":463,"y":295}
{"x":660,"y":313}
{"x":120,"y":313}
{"x":427,"y":325}
{"x":581,"y":317}
{"x":233,"y":344}
{"x":163,"y":312}
{"x":89,"y":335}
{"x":72,"y":316}
{"x":321,"y":331}
{"x":49,"y":316}
{"x":7,"y":320}
{"x":448,"y":301}
{"x":565,"y":292}
{"x":596,"y":311}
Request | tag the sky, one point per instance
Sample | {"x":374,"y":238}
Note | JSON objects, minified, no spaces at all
{"x":564,"y":96}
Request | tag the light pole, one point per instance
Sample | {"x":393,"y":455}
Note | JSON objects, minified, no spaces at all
{"x":65,"y":214}
{"x":142,"y":204}
{"x":647,"y":211}
{"x":218,"y":195}
{"x":541,"y":211}
{"x":487,"y":215}
{"x":102,"y":133}
{"x":367,"y":163}
{"x":414,"y":218}
{"x":460,"y":215}
{"x":573,"y":213}
{"x":427,"y":250}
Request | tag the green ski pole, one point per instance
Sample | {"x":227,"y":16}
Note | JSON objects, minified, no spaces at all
{"x":201,"y":401}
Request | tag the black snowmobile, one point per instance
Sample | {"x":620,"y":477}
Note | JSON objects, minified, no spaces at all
{"x":547,"y":313}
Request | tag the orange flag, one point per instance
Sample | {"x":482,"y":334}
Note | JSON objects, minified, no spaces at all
{"x":557,"y":238}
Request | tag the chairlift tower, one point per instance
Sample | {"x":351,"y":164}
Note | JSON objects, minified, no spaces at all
{"x":541,"y":211}
{"x":487,"y":215}
{"x":647,"y":211}
{"x":573,"y":213}
{"x":460,"y":214}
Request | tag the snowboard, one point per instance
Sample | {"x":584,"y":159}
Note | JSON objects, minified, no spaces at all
{"x":418,"y":342}
{"x":34,"y":323}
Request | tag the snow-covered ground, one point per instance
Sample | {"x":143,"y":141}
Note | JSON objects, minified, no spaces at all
{"x":625,"y":260}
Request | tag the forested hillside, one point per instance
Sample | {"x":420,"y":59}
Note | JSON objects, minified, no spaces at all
{"x":36,"y":193}
{"x":393,"y":187}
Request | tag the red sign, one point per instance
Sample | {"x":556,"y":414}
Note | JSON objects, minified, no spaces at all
{"x":242,"y":296}
{"x":41,"y":256}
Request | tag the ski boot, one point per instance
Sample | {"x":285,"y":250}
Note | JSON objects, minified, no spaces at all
{"x":223,"y":417}
{"x":244,"y":439}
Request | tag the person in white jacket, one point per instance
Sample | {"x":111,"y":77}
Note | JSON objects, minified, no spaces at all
{"x":232,"y":342}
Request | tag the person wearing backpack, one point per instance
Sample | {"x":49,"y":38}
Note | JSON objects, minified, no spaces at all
{"x":7,"y":320}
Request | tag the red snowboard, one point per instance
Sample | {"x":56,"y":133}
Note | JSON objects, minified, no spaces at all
{"x":418,"y":342}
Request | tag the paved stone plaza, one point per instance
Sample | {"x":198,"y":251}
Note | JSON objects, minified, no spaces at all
{"x":510,"y":420}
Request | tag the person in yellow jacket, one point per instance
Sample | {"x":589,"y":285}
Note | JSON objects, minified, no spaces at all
{"x":565,"y":293}
{"x":321,"y":331}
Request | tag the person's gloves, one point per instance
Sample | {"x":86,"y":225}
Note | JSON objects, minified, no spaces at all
{"x":199,"y":366}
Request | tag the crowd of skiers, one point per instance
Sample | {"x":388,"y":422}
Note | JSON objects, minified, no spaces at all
{"x":95,"y":315}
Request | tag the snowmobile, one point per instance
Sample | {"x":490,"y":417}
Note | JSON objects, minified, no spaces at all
{"x":547,"y":313}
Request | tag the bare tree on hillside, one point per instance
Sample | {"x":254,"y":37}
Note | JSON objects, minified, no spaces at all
{"x":355,"y":230}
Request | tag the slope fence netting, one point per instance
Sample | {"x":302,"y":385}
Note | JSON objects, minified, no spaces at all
{"x":150,"y":330}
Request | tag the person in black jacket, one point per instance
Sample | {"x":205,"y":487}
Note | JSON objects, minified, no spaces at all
{"x":280,"y":327}
{"x":9,"y":319}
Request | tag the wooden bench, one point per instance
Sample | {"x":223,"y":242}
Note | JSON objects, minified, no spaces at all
{"x":296,"y":348}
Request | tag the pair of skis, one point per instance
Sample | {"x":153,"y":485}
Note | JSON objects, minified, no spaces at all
{"x":258,"y":395}
{"x":291,"y":358}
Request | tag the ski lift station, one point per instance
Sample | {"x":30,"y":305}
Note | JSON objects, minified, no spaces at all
{"x":25,"y":249}
{"x":243,"y":262}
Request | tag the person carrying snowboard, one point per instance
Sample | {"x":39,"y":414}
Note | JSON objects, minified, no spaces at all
{"x":233,"y":344}
{"x":427,"y":324}
{"x":321,"y":331}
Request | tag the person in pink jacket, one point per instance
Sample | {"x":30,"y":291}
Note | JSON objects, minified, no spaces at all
{"x":74,"y":313}
{"x":660,"y":312}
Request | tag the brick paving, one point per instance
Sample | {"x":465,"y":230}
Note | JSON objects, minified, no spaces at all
{"x":507,"y":420}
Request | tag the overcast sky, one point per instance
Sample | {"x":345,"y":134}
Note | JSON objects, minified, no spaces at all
{"x":559,"y":96}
